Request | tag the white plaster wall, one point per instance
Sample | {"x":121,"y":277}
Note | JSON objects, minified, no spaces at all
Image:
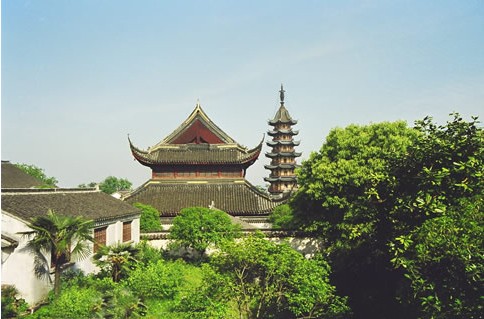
{"x":114,"y":235}
{"x":135,"y":231}
{"x":305,"y":245}
{"x":18,"y":269}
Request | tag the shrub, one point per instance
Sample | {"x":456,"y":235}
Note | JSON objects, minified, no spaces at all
{"x":281,"y":217}
{"x":73,"y":303}
{"x":159,"y":279}
{"x":12,"y":306}
{"x":150,"y":218}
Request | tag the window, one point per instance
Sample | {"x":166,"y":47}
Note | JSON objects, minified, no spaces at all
{"x":126,"y":231}
{"x":99,"y":237}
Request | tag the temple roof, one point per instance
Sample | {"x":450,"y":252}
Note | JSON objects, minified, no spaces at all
{"x":191,"y":154}
{"x":92,"y":204}
{"x":197,"y":128}
{"x":197,"y":141}
{"x":238,"y":198}
{"x":14,"y":177}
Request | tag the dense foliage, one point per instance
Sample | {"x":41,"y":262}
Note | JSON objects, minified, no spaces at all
{"x":392,"y":203}
{"x":150,"y":218}
{"x":113,"y":184}
{"x":250,"y":278}
{"x":281,"y":217}
{"x":12,"y":305}
{"x":198,"y":227}
{"x":37,"y":172}
{"x":268,"y":280}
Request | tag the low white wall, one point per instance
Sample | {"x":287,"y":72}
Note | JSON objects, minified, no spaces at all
{"x":305,"y":245}
{"x":18,"y":268}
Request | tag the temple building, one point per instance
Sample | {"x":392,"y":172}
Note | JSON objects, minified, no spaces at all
{"x":283,"y":156}
{"x":198,"y":164}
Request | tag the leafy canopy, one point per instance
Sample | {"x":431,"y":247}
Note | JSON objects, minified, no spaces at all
{"x":392,"y":203}
{"x":268,"y":280}
{"x":113,"y":184}
{"x":150,"y":218}
{"x":198,"y":227}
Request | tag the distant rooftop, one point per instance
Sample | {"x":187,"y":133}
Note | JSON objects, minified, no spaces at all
{"x":14,"y":177}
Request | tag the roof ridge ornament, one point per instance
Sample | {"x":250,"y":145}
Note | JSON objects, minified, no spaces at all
{"x":282,"y":94}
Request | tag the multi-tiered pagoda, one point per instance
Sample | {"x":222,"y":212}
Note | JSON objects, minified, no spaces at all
{"x":200,"y":165}
{"x":283,"y":156}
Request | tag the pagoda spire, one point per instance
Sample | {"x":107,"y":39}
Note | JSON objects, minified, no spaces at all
{"x":283,"y":155}
{"x":282,"y":94}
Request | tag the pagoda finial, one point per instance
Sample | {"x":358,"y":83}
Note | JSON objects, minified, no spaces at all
{"x":198,"y":102}
{"x":282,"y":94}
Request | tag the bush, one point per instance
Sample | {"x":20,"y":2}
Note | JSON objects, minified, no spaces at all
{"x":73,"y":303}
{"x":12,"y":307}
{"x":281,"y":217}
{"x":159,"y":279}
{"x":150,"y":218}
{"x":198,"y":227}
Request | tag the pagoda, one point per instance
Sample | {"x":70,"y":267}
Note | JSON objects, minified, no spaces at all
{"x":198,"y":164}
{"x":283,"y":156}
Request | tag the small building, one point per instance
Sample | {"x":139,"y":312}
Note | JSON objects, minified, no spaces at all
{"x":114,"y":221}
{"x":198,"y":164}
{"x":283,"y":156}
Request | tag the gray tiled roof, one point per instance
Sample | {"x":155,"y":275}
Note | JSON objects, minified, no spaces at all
{"x":237,"y":198}
{"x":14,"y":177}
{"x":197,"y":154}
{"x":282,"y":116}
{"x":90,"y":204}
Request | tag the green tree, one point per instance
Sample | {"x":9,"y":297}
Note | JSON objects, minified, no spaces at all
{"x":438,"y":218}
{"x":198,"y":227}
{"x":281,"y":217}
{"x":341,"y":199}
{"x":116,"y":260}
{"x":386,"y":198}
{"x":37,"y":172}
{"x":150,"y":218}
{"x":443,"y":260}
{"x":268,"y":280}
{"x":113,"y":184}
{"x":63,"y":238}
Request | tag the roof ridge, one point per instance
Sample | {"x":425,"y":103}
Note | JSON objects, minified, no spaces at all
{"x":29,"y":191}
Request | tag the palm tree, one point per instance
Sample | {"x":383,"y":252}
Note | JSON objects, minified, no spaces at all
{"x":116,"y":259}
{"x":64,"y":237}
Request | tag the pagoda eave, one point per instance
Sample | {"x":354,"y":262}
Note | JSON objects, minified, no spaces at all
{"x":293,"y":154}
{"x":282,"y":142}
{"x":276,"y":122}
{"x":281,"y":166}
{"x":280,"y":179}
{"x":277,"y":132}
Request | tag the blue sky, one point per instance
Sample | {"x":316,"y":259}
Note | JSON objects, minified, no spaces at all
{"x":78,"y":76}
